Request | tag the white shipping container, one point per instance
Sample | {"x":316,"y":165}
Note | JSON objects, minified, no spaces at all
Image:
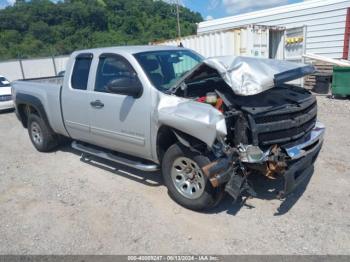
{"x":325,"y":22}
{"x":252,"y":40}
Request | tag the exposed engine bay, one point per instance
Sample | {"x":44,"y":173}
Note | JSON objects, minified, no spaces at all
{"x":262,"y":131}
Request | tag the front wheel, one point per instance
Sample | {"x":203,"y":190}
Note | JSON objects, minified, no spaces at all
{"x":185,"y":180}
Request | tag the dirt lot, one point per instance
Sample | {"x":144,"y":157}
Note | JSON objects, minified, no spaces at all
{"x":57,"y":204}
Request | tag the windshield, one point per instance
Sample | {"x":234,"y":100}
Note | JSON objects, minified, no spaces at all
{"x":165,"y":68}
{"x":4,"y":82}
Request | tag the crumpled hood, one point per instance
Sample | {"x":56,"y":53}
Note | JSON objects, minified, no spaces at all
{"x":250,"y":76}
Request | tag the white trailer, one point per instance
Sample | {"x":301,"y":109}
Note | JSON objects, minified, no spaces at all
{"x":250,"y":40}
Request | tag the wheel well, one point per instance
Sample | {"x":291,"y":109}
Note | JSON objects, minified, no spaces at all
{"x":166,"y":138}
{"x":24,"y":111}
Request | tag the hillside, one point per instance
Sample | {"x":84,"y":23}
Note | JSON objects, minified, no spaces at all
{"x":41,"y":27}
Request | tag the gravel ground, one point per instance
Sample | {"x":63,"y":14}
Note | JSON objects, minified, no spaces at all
{"x":57,"y":204}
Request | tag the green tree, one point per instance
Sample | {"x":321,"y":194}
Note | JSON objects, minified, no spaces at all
{"x":42,"y":27}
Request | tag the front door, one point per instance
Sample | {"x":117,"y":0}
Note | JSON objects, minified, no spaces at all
{"x":119,"y":122}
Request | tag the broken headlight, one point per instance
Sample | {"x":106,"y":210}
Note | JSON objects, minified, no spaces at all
{"x":252,"y":154}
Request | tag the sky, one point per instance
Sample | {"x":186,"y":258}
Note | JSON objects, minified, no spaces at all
{"x":4,"y":3}
{"x":221,"y":8}
{"x":215,"y":8}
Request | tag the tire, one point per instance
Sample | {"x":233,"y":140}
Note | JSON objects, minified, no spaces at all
{"x":43,"y":139}
{"x":205,"y":196}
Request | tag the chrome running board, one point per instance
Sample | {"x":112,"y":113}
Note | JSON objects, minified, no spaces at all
{"x":115,"y":158}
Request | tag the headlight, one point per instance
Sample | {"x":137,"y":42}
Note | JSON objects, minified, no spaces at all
{"x":252,"y":154}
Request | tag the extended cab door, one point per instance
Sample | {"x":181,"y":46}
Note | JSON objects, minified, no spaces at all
{"x":119,"y":122}
{"x":76,"y":98}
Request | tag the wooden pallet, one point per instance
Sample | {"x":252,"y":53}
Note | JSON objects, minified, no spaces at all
{"x":321,"y":67}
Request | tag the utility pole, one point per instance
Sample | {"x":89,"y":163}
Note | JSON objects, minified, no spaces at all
{"x":178,"y":19}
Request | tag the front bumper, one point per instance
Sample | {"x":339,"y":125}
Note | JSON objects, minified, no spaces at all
{"x":301,"y":169}
{"x":298,"y":151}
{"x":303,"y":156}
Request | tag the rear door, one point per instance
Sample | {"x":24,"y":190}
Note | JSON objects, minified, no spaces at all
{"x":119,"y":122}
{"x":76,"y":99}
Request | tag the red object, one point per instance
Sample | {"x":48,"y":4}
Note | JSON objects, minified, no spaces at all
{"x":347,"y":36}
{"x":202,"y":99}
{"x":218,"y":104}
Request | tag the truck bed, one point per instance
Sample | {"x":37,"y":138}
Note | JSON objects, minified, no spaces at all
{"x":45,"y":91}
{"x":58,"y":80}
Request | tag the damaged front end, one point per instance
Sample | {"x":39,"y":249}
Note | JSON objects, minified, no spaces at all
{"x":250,"y":120}
{"x":293,"y":165}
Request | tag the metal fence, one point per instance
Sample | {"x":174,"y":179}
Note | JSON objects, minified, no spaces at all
{"x":32,"y":68}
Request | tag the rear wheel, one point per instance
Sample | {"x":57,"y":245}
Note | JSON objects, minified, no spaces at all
{"x":185,"y":180}
{"x":43,"y":139}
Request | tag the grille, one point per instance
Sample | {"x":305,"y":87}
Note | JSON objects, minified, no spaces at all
{"x":274,"y":118}
{"x":284,"y":128}
{"x":5,"y":97}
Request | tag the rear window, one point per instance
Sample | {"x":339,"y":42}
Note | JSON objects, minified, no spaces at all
{"x":4,"y":82}
{"x":81,"y":71}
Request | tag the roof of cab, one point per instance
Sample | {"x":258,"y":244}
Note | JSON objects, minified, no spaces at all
{"x":131,"y":49}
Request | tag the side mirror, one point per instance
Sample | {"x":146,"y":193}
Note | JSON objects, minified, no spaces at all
{"x":129,"y":86}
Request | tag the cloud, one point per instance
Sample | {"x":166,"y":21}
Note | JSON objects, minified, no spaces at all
{"x":239,"y":6}
{"x":209,"y":17}
{"x":6,"y":3}
{"x":213,"y":4}
{"x":11,"y":2}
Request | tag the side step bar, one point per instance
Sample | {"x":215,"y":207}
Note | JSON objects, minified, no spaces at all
{"x":115,"y":158}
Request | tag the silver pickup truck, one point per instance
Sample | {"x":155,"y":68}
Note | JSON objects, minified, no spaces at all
{"x":208,"y":124}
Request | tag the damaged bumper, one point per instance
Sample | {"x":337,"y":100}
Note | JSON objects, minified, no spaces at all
{"x":299,"y":151}
{"x":296,"y":166}
{"x":299,"y":170}
{"x":303,"y":156}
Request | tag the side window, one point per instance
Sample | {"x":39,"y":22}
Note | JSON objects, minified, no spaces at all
{"x":111,"y":67}
{"x":81,"y":71}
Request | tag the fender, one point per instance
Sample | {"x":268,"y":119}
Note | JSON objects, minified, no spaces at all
{"x":199,"y":120}
{"x":25,"y":99}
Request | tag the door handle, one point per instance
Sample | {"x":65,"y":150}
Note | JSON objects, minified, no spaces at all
{"x":97,"y":104}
